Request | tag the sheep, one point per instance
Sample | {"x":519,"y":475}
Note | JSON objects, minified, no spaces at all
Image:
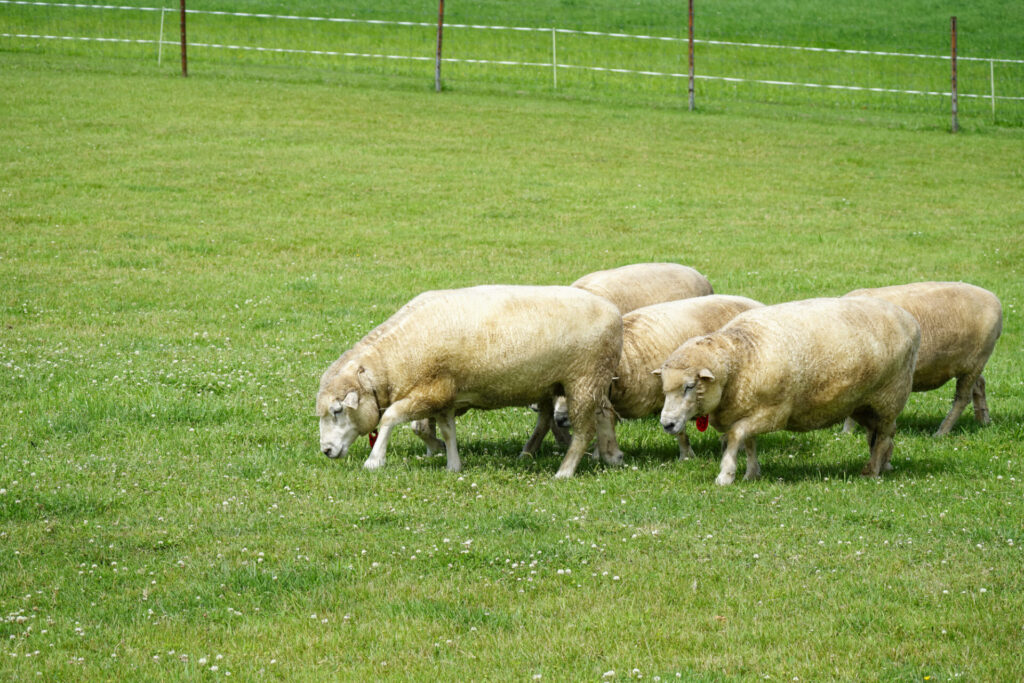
{"x":649,"y":336}
{"x":484,"y":347}
{"x":628,"y":287}
{"x":960,"y":324}
{"x":642,"y":284}
{"x":796,"y":366}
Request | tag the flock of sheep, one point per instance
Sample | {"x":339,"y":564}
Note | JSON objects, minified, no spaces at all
{"x":652,"y":337}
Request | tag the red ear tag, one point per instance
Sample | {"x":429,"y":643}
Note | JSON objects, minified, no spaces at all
{"x":702,"y":422}
{"x":372,"y":436}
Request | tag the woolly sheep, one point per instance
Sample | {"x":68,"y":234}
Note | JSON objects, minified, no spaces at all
{"x":628,"y":287}
{"x":797,"y":366}
{"x":642,"y":284}
{"x":960,"y":324}
{"x":649,"y":336}
{"x":480,"y":347}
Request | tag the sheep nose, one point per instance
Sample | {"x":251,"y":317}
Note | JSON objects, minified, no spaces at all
{"x":670,"y":426}
{"x":563,"y":422}
{"x":328,"y":451}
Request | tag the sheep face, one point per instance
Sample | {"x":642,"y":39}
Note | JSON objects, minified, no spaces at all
{"x":346,"y":411}
{"x":689,"y":392}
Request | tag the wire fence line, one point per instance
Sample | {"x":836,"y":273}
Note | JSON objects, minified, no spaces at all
{"x":551,"y":62}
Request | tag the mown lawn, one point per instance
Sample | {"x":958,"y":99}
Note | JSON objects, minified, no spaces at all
{"x":181,"y":259}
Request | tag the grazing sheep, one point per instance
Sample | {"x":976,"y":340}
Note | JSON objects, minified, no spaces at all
{"x":628,"y":287}
{"x":960,"y":324}
{"x":796,"y":366}
{"x":649,"y":336}
{"x":642,"y":284}
{"x":480,"y":347}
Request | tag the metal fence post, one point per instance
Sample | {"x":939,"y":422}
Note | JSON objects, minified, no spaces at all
{"x":992,"y":81}
{"x":160,"y":43}
{"x":690,"y":31}
{"x":554,"y":59}
{"x":956,"y":122}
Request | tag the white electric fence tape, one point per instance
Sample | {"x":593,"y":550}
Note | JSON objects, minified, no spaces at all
{"x":553,"y":64}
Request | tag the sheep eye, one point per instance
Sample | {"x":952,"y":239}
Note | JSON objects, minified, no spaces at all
{"x":690,"y":386}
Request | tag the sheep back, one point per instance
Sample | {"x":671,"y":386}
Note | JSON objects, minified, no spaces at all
{"x":642,"y":284}
{"x":960,"y":324}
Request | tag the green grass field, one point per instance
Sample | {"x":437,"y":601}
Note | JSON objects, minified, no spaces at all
{"x":182,"y":258}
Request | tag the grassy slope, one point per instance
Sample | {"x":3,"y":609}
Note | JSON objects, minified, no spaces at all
{"x":181,"y":259}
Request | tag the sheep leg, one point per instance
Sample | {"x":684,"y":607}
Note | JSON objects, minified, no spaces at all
{"x":980,"y":404}
{"x":378,"y":454}
{"x":560,"y":421}
{"x":964,"y":391}
{"x":545,"y":409}
{"x":753,"y":467}
{"x":607,"y":444}
{"x":849,"y":425}
{"x":880,"y":443}
{"x":397,"y":413}
{"x":447,"y":426}
{"x":736,"y":436}
{"x":685,"y":450}
{"x":584,"y":419}
{"x":561,"y":434}
{"x":426,"y":430}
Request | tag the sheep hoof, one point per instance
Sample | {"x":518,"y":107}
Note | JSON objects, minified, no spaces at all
{"x":614,"y":460}
{"x":868,"y":472}
{"x":372,"y":464}
{"x":724,"y":479}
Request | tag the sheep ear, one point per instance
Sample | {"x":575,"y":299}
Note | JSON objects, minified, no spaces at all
{"x":706,"y":375}
{"x":351,"y":400}
{"x":656,"y":371}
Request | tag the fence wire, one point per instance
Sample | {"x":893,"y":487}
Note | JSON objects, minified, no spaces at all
{"x":519,"y":56}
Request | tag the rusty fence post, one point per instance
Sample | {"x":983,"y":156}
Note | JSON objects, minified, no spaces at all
{"x":184,"y":58}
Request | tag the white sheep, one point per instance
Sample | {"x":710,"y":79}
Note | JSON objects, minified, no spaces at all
{"x":649,"y":336}
{"x":480,"y":347}
{"x":642,"y":284}
{"x":628,"y":287}
{"x":796,"y":366}
{"x":960,"y":324}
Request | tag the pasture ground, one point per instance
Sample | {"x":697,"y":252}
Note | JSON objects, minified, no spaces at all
{"x":182,"y":259}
